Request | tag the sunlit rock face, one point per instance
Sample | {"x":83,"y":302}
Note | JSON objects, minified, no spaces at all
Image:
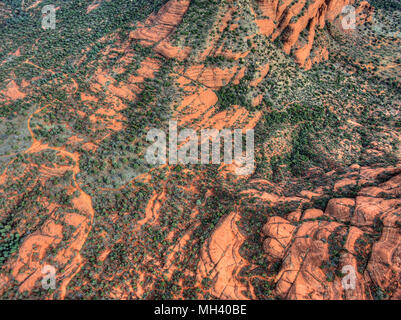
{"x":361,"y":233}
{"x":296,"y":24}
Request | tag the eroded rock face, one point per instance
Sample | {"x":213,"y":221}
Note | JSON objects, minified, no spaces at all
{"x":296,"y":24}
{"x":221,"y":261}
{"x":158,"y":27}
{"x":279,"y":233}
{"x":360,"y":235}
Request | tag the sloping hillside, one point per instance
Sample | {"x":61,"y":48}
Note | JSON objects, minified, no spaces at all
{"x":77,"y":102}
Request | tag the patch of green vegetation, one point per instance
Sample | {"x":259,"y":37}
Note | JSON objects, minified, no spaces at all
{"x":386,"y":4}
{"x":120,"y":157}
{"x":231,"y":95}
{"x":197,"y":23}
{"x":9,"y":242}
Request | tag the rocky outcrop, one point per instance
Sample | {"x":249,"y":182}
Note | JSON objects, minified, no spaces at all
{"x":221,"y":261}
{"x":296,"y":23}
{"x":158,"y":27}
{"x":358,"y":236}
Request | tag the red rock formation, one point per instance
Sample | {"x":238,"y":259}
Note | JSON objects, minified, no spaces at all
{"x":159,"y":26}
{"x":288,"y":20}
{"x":362,"y":232}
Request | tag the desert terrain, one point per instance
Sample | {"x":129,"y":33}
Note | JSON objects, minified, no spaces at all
{"x":76,"y":192}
